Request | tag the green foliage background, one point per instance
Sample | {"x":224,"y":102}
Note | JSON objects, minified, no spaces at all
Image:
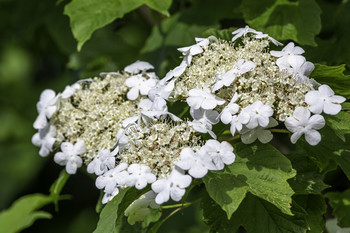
{"x":50,"y":44}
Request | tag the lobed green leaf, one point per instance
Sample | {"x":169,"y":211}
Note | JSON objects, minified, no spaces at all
{"x":259,"y":169}
{"x":284,"y":20}
{"x":23,"y":214}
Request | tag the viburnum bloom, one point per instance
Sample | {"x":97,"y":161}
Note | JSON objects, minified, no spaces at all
{"x":203,"y":99}
{"x":47,"y":106}
{"x":290,"y":54}
{"x":104,"y":161}
{"x":109,"y":180}
{"x":203,"y":120}
{"x":324,"y":100}
{"x":301,"y":70}
{"x":197,"y":163}
{"x":261,"y":133}
{"x":69,"y":156}
{"x":229,"y":110}
{"x":260,"y":35}
{"x":301,"y":123}
{"x":45,"y":138}
{"x":139,"y":85}
{"x":70,"y":90}
{"x":242,"y":32}
{"x":139,"y":176}
{"x":171,"y":187}
{"x":238,"y":121}
{"x":192,"y":50}
{"x":259,"y":114}
{"x":137,"y":67}
{"x":220,"y":153}
{"x":226,"y":79}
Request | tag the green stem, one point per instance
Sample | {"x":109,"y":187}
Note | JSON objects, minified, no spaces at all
{"x":279,"y":131}
{"x":232,"y":138}
{"x":181,"y":206}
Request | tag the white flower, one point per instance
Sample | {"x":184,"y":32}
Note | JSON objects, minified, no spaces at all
{"x":237,"y":122}
{"x":261,"y":133}
{"x":324,"y":100}
{"x":141,"y":208}
{"x":192,"y":50}
{"x":69,"y":156}
{"x":139,"y":176}
{"x":231,"y":109}
{"x":203,"y":120}
{"x":139,"y":84}
{"x":229,"y":77}
{"x":203,"y":99}
{"x":173,"y":186}
{"x":242,"y":32}
{"x":104,"y":161}
{"x":220,"y":153}
{"x":290,"y":54}
{"x":70,"y":90}
{"x":301,"y":123}
{"x":197,"y":163}
{"x":112,"y":178}
{"x":301,"y":71}
{"x":260,"y":35}
{"x":137,"y":67}
{"x":161,"y":90}
{"x":174,"y":73}
{"x":45,"y":139}
{"x":109,"y":196}
{"x":47,"y":106}
{"x":259,"y":114}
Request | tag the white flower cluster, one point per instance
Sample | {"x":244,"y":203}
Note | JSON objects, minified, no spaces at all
{"x":250,"y":88}
{"x":120,"y":127}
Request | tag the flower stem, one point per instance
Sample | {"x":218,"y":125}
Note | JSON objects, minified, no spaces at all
{"x":181,"y":206}
{"x":279,"y":131}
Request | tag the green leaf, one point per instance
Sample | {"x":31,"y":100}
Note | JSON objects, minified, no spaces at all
{"x":284,"y":20}
{"x":315,"y":206}
{"x":255,"y":215}
{"x":115,"y":208}
{"x":340,"y":203}
{"x":22,"y":213}
{"x":225,"y":34}
{"x":334,"y":77}
{"x":57,"y":186}
{"x":86,"y":16}
{"x":334,"y":146}
{"x":260,"y":169}
{"x":308,"y":179}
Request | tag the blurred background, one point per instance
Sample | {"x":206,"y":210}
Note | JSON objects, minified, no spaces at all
{"x":38,"y":51}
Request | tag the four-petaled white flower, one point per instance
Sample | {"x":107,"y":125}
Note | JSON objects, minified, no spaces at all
{"x":116,"y":176}
{"x":192,"y":50}
{"x":242,"y":32}
{"x":137,"y":67}
{"x":104,"y":161}
{"x":260,"y":35}
{"x":301,"y":123}
{"x":230,"y":110}
{"x":203,"y":120}
{"x":69,"y":156}
{"x":174,"y":73}
{"x":220,"y":153}
{"x":259,"y":114}
{"x":203,"y":99}
{"x":139,"y":176}
{"x":139,"y":85}
{"x":45,"y":139}
{"x":301,"y":70}
{"x":289,"y":55}
{"x":229,"y":77}
{"x":70,"y":90}
{"x":173,"y":186}
{"x":239,"y":120}
{"x":324,"y":100}
{"x":47,"y":106}
{"x":162,"y":90}
{"x":197,"y":163}
{"x":261,"y":133}
{"x":109,"y":196}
